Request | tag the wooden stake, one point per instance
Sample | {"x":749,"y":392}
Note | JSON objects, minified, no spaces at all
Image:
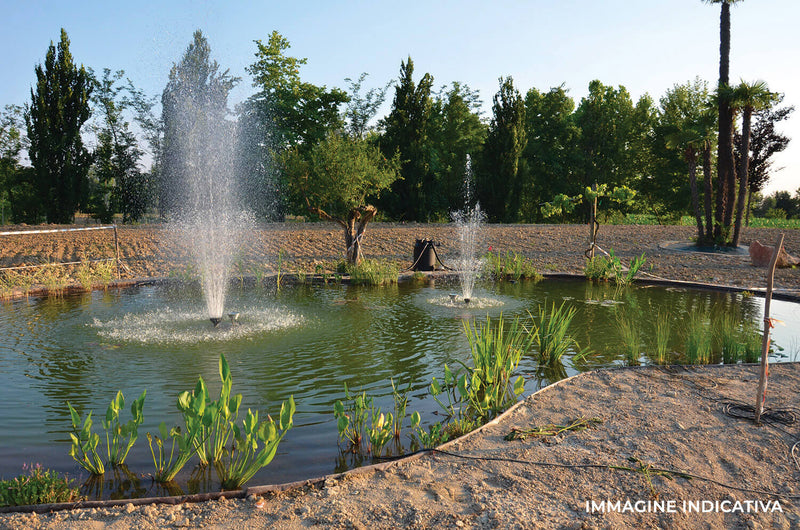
{"x":116,"y":247}
{"x":761,"y":396}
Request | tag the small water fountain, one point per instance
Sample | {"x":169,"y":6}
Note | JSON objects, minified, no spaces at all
{"x":468,"y":265}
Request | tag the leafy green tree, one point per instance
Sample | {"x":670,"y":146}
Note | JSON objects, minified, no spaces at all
{"x":194,"y":110}
{"x":360,"y":108}
{"x":12,"y":143}
{"x":765,"y":142}
{"x":337,"y":180}
{"x":551,"y":151}
{"x":500,"y":185}
{"x":747,"y":97}
{"x":59,"y":108}
{"x":116,"y":183}
{"x":456,"y":132}
{"x":685,"y":125}
{"x":286,"y":113}
{"x":301,"y":113}
{"x":406,"y":130}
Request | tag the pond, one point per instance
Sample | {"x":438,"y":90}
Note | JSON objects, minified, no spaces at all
{"x":306,"y":341}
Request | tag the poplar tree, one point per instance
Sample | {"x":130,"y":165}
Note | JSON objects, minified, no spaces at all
{"x":59,"y":108}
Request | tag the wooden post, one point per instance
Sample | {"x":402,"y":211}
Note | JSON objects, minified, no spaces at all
{"x":116,"y":248}
{"x":761,"y":396}
{"x":592,"y":222}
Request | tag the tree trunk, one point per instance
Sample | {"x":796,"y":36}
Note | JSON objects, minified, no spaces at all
{"x":592,"y":223}
{"x":691,"y":160}
{"x":354,"y":231}
{"x":725,"y":163}
{"x":749,"y":206}
{"x":354,"y":228}
{"x":744,"y":168}
{"x":708,"y":190}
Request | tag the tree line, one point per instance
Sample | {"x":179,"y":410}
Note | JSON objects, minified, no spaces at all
{"x":304,"y":149}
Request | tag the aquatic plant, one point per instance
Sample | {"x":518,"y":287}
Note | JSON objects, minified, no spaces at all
{"x":370,"y":272}
{"x":246,"y":458}
{"x":351,"y":417}
{"x":37,"y":486}
{"x":662,"y":335}
{"x":553,"y":333}
{"x":486,"y":385}
{"x":610,"y":268}
{"x":120,"y":437}
{"x":510,"y":266}
{"x":84,"y":443}
{"x":697,"y":339}
{"x":630,"y":334}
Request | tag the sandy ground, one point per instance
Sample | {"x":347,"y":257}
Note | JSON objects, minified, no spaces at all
{"x":624,"y":472}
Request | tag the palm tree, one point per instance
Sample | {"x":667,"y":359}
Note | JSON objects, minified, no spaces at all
{"x":725,"y":160}
{"x":690,"y":142}
{"x":747,"y":97}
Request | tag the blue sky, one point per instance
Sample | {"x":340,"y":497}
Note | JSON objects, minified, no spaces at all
{"x":646,"y":46}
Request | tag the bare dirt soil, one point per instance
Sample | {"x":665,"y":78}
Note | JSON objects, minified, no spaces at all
{"x":629,"y":470}
{"x":153,"y":251}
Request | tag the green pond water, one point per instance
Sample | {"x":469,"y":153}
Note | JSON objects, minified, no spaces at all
{"x":306,"y":341}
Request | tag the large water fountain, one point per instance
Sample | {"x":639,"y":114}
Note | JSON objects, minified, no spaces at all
{"x":209,"y":218}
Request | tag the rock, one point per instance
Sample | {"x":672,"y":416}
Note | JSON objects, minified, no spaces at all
{"x":760,"y":256}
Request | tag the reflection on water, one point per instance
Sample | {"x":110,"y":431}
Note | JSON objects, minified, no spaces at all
{"x":307,"y":342}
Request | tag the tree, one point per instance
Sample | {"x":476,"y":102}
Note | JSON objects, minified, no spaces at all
{"x":194,"y":108}
{"x":551,"y":151}
{"x":747,"y":97}
{"x":117,"y":184}
{"x":286,"y":113}
{"x":338,"y":178}
{"x":456,"y":132}
{"x":12,"y":141}
{"x":500,"y":186}
{"x":302,"y":113}
{"x":59,"y":108}
{"x":725,"y":162}
{"x":686,"y":126}
{"x":406,"y":130}
{"x":765,"y":142}
{"x":361,"y":109}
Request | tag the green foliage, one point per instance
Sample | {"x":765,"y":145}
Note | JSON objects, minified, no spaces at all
{"x":435,"y":435}
{"x":406,"y":135}
{"x":120,"y":437}
{"x":552,"y":332}
{"x":194,"y":111}
{"x":510,"y":266}
{"x":371,"y":272}
{"x":246,"y":458}
{"x":610,"y":268}
{"x":84,"y":443}
{"x":697,"y":339}
{"x":486,"y":386}
{"x":59,"y":108}
{"x":630,"y":334}
{"x":224,"y":413}
{"x":500,"y":181}
{"x":400,"y":399}
{"x":351,"y":417}
{"x":340,"y":173}
{"x":662,"y":335}
{"x":38,"y":486}
{"x":198,"y":420}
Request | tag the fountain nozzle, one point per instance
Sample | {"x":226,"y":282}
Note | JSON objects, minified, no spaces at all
{"x":466,"y":301}
{"x":233,"y":316}
{"x":215,"y":321}
{"x":453,"y":297}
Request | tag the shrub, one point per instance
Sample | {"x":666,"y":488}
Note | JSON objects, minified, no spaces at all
{"x":38,"y":486}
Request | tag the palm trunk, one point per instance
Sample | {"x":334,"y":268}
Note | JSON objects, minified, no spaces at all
{"x":744,"y":167}
{"x":708,"y":189}
{"x":691,"y":160}
{"x":725,"y":163}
